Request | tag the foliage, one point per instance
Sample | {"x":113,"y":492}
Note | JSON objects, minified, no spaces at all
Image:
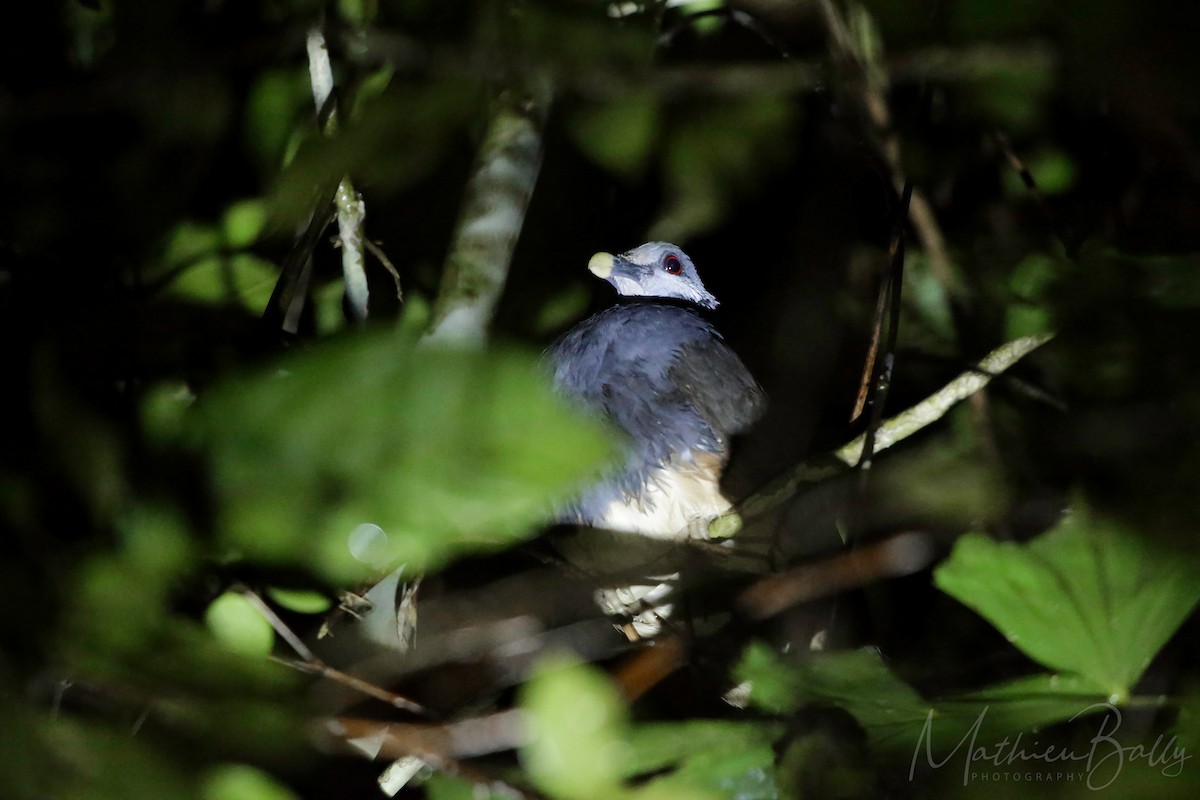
{"x":174,"y":461}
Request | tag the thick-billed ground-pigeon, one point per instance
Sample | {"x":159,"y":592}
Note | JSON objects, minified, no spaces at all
{"x":662,"y":374}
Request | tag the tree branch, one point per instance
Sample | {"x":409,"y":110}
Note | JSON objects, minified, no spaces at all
{"x":351,"y":210}
{"x":895,"y":429}
{"x":493,"y":211}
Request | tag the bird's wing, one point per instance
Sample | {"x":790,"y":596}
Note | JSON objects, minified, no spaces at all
{"x":717,"y":385}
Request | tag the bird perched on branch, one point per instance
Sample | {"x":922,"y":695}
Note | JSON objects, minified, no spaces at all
{"x":663,"y":375}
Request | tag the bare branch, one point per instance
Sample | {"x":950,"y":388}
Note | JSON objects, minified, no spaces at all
{"x":897,"y":428}
{"x":493,"y":212}
{"x":311,"y":664}
{"x":351,"y":210}
{"x":863,"y":55}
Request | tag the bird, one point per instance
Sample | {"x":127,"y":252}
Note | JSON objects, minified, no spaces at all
{"x":662,"y":374}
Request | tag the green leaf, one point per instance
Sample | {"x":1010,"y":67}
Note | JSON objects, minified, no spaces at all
{"x":241,"y":627}
{"x":1172,"y":281}
{"x":562,"y":309}
{"x":745,"y":774}
{"x":578,"y":724}
{"x":1031,"y":278}
{"x":372,"y":86}
{"x":618,"y":135}
{"x":359,"y":13}
{"x":302,"y":602}
{"x":1026,"y":704}
{"x":1014,"y":99}
{"x":889,"y":709}
{"x":242,"y":782}
{"x":190,"y":241}
{"x":447,"y":787}
{"x":1087,"y":598}
{"x":446,"y":452}
{"x":928,"y":295}
{"x":1024,"y":319}
{"x":278,"y":103}
{"x":243,"y":222}
{"x":240,"y":278}
{"x":655,"y":746}
{"x":717,"y":152}
{"x":1052,"y":171}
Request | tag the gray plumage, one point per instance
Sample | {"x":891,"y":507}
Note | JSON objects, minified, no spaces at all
{"x":662,"y":374}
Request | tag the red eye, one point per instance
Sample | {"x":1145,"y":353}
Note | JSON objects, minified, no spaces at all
{"x":672,"y":264}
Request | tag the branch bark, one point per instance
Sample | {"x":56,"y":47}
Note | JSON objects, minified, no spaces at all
{"x":493,"y":211}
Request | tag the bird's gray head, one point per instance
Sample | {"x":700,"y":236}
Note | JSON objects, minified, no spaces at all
{"x":655,"y":269}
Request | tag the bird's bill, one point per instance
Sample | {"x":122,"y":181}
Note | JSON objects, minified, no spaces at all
{"x":601,"y":265}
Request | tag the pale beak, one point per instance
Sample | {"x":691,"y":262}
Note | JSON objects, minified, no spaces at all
{"x":601,"y":265}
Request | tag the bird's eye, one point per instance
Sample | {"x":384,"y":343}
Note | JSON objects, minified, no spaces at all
{"x":672,"y":264}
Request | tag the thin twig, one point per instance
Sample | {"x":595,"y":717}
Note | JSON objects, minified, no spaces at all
{"x":279,"y":625}
{"x":870,"y":80}
{"x":374,"y":249}
{"x":895,"y":429}
{"x":309,"y":662}
{"x":881,"y":382}
{"x":315,"y":666}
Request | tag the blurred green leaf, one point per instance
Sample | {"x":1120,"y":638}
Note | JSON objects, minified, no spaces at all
{"x":393,"y":141}
{"x":1030,"y":283}
{"x":702,"y":23}
{"x":744,"y":774}
{"x":1172,"y":281}
{"x":243,"y":222}
{"x":359,"y":13}
{"x":562,"y":309}
{"x":889,"y":709}
{"x":238,"y":625}
{"x":1028,"y":703}
{"x":279,"y":102}
{"x":1088,"y":597}
{"x":371,"y":87}
{"x":242,"y":782}
{"x":85,"y":760}
{"x":1052,"y":171}
{"x":578,"y":724}
{"x":119,"y":598}
{"x":1024,"y":319}
{"x":1033,"y":276}
{"x":240,"y":278}
{"x":990,"y":18}
{"x":300,"y":601}
{"x":190,"y":241}
{"x":447,"y":787}
{"x":717,"y":152}
{"x":928,"y":295}
{"x":447,"y":452}
{"x":820,"y":763}
{"x":654,"y":746}
{"x":618,"y":135}
{"x":1013,"y":100}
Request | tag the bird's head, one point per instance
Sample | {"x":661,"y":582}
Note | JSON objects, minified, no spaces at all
{"x":655,"y":269}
